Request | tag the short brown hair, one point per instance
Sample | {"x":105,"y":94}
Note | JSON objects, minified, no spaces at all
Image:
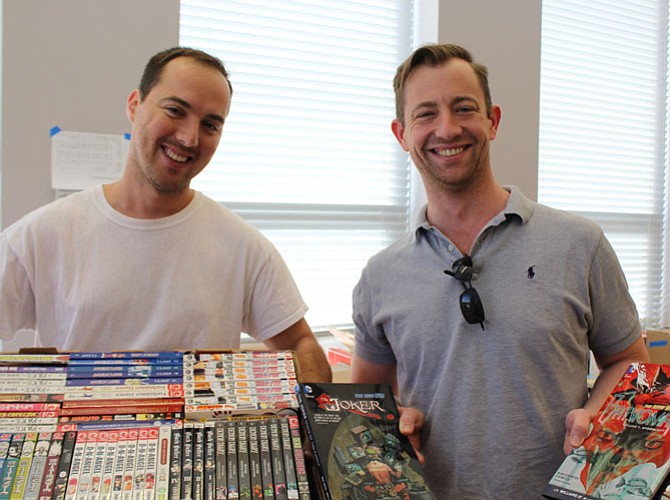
{"x":437,"y":55}
{"x":155,"y":65}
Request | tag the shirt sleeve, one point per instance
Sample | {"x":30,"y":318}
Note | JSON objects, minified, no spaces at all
{"x":371,"y":342}
{"x":17,"y":301}
{"x":615,"y":321}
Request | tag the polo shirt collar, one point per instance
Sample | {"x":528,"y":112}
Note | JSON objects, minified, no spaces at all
{"x":518,"y":206}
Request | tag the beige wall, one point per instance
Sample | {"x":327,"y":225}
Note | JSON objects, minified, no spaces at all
{"x":70,"y":63}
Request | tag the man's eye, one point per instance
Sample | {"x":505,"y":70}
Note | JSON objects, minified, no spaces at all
{"x":173,"y":110}
{"x":212,"y":126}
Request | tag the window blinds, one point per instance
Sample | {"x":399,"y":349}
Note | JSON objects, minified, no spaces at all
{"x":307,"y":154}
{"x":603,"y":106}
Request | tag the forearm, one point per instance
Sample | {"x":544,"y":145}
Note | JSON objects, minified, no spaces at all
{"x":312,"y":360}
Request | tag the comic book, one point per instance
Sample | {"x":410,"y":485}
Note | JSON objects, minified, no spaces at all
{"x":356,"y":443}
{"x":627,"y":452}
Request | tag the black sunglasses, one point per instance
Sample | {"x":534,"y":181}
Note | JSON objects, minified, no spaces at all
{"x":470,"y":302}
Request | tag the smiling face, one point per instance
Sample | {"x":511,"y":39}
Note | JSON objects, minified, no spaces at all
{"x":445,"y":126}
{"x":176,"y":128}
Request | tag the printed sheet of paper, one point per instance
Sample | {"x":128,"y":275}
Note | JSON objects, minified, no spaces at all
{"x":83,"y":159}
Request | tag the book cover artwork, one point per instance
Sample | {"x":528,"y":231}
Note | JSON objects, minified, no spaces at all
{"x":360,"y":453}
{"x":627,"y":452}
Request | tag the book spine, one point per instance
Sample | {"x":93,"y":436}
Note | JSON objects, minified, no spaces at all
{"x":187,"y":462}
{"x":99,"y":453}
{"x":278,"y":469}
{"x":153,"y":444}
{"x":75,"y":466}
{"x":231,"y":460}
{"x":198,"y":459}
{"x":243,"y":472}
{"x":139,"y":475}
{"x":21,"y":407}
{"x":299,"y":457}
{"x":312,"y":441}
{"x":176,"y":446}
{"x":31,"y":369}
{"x":292,"y":491}
{"x":129,"y":467}
{"x":123,"y":392}
{"x":62,"y":475}
{"x":209,"y":491}
{"x":255,"y":477}
{"x":124,"y":383}
{"x":37,"y":467}
{"x":23,"y":467}
{"x":11,"y":464}
{"x":163,"y":465}
{"x":266,"y":459}
{"x":51,"y":468}
{"x":109,"y":463}
{"x":120,"y":463}
{"x":138,"y":355}
{"x":221,"y":465}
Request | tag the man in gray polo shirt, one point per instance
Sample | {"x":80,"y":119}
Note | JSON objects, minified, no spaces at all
{"x":483,"y":317}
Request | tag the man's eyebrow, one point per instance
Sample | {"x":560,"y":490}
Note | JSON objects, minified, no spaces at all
{"x":187,"y":105}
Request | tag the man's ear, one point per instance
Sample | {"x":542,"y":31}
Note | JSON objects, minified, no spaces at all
{"x":494,"y":118}
{"x":399,"y":131}
{"x":131,"y":105}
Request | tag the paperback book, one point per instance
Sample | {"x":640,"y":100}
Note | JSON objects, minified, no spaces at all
{"x":357,"y":446}
{"x":627,"y":452}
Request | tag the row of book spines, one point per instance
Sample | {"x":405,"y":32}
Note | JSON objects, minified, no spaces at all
{"x":247,"y":459}
{"x":262,"y":458}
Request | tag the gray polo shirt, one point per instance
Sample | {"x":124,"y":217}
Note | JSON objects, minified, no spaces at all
{"x":496,"y":400}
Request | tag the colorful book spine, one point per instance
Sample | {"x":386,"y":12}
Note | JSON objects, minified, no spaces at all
{"x":38,"y":466}
{"x":48,"y":483}
{"x":111,"y":452}
{"x":299,"y":457}
{"x":75,"y":467}
{"x":64,"y":465}
{"x":11,"y":464}
{"x":23,"y":467}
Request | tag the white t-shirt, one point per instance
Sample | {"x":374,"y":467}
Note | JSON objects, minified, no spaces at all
{"x":87,"y":277}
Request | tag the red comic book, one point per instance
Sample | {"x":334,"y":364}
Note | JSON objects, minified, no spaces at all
{"x":627,"y":452}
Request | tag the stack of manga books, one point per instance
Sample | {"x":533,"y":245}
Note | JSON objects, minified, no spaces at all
{"x":113,"y":425}
{"x":252,"y":382}
{"x":123,"y":385}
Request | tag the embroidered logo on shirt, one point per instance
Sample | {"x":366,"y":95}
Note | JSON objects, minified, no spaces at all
{"x":531,"y":272}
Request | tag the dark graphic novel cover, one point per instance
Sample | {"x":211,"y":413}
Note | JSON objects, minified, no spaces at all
{"x":356,"y":443}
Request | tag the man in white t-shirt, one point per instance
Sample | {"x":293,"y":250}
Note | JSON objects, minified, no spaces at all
{"x":146,"y":262}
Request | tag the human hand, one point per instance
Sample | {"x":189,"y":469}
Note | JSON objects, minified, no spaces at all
{"x":577,"y":424}
{"x":411,"y":423}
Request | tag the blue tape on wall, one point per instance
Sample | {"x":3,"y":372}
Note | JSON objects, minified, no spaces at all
{"x":54,"y":131}
{"x":658,"y":343}
{"x":126,"y":136}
